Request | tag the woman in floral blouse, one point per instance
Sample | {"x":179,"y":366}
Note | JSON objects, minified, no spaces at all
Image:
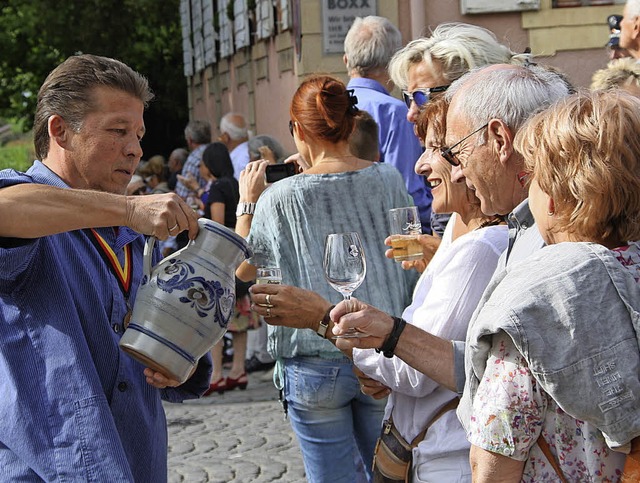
{"x":552,"y":357}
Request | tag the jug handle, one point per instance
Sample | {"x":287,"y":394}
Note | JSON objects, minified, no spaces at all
{"x":150,"y":243}
{"x":147,"y":257}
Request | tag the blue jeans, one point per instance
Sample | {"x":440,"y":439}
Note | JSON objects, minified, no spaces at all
{"x":332,"y":419}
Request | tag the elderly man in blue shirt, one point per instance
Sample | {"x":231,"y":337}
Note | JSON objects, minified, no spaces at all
{"x":368,"y":48}
{"x":74,"y":407}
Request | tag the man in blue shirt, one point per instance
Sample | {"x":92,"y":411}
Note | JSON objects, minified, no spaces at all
{"x":368,"y":48}
{"x":74,"y":407}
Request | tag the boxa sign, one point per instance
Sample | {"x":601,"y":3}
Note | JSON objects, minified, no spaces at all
{"x":337,"y":17}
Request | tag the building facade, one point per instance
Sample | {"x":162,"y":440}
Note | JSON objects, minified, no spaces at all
{"x":249,"y":56}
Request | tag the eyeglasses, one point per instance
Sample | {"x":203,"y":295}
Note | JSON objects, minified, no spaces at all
{"x":421,"y":96}
{"x":450,"y":156}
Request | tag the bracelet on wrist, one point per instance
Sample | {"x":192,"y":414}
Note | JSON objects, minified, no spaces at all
{"x":324,"y":323}
{"x":389,"y":345}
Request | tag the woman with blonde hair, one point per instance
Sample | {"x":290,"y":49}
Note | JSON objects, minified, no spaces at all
{"x":619,"y":74}
{"x":335,"y":424}
{"x":427,"y":66}
{"x":552,"y":357}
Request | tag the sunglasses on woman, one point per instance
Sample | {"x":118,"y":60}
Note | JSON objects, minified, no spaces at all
{"x":421,"y":96}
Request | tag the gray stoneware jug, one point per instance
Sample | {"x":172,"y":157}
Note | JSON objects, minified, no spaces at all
{"x":184,"y":303}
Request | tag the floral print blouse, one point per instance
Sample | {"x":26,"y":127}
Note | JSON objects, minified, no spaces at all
{"x":511,"y":410}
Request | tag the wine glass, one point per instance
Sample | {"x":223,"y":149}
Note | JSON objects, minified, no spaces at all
{"x":345,"y":266}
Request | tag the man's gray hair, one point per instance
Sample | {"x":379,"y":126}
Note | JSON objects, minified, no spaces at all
{"x":633,"y":8}
{"x":231,"y":125}
{"x":456,"y":48}
{"x":510,"y":93}
{"x":198,"y":131}
{"x":369,"y":44}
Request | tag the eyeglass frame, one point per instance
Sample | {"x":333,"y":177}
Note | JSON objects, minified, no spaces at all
{"x":406,"y":95}
{"x":450,"y":156}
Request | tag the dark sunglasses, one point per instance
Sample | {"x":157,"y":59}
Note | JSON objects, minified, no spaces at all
{"x":450,"y":156}
{"x":421,"y":96}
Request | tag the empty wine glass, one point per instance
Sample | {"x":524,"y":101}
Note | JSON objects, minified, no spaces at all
{"x":345,"y":266}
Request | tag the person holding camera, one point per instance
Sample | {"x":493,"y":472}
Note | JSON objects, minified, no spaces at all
{"x":338,"y":192}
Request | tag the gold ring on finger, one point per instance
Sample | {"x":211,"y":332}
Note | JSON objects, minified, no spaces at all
{"x":268,"y":311}
{"x":268,"y":299}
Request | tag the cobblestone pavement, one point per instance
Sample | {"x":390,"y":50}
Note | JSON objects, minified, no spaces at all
{"x":239,"y":437}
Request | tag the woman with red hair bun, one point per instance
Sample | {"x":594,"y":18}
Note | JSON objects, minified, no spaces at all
{"x":336,"y":425}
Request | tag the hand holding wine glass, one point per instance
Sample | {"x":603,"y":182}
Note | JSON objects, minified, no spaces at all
{"x":345,"y":266}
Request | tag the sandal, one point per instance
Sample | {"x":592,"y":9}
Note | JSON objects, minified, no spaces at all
{"x":241,"y":382}
{"x":220,"y":386}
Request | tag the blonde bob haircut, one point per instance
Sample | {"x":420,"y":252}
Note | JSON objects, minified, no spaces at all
{"x":584,"y":152}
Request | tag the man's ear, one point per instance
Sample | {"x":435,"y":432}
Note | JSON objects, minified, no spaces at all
{"x":59,"y":130}
{"x":636,"y":28}
{"x":344,"y":59}
{"x":501,"y":138}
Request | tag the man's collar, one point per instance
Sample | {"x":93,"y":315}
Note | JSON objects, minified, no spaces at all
{"x":44,"y":175}
{"x":521,"y":216}
{"x":366,"y":83}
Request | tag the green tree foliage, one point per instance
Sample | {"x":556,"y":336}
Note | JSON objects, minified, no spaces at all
{"x":36,"y":35}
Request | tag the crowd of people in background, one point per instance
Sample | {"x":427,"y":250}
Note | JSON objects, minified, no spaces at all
{"x":509,"y":351}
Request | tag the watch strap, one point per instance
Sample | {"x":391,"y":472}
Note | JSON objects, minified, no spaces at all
{"x":245,"y":208}
{"x":323,"y":325}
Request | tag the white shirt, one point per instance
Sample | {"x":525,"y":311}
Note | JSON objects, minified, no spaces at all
{"x":444,"y":300}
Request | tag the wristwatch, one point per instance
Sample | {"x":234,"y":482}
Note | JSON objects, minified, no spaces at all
{"x":245,"y":208}
{"x":323,"y":325}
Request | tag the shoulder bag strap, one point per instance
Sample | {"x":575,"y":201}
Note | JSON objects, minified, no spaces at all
{"x":544,"y":446}
{"x":447,"y":407}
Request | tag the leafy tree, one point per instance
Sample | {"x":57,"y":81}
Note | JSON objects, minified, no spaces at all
{"x":36,"y":35}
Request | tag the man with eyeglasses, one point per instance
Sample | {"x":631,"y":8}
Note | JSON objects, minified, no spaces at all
{"x":630,"y":28}
{"x":368,"y":47}
{"x":481,"y":127}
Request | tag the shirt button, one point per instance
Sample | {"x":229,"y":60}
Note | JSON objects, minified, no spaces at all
{"x":525,"y":226}
{"x":122,"y":387}
{"x":116,"y":328}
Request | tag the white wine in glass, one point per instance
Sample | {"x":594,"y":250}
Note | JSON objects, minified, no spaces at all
{"x":345,"y":266}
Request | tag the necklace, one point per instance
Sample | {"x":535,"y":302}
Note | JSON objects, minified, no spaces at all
{"x":333,"y":159}
{"x":496,"y":220}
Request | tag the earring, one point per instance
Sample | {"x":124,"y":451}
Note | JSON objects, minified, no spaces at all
{"x":551,"y":213}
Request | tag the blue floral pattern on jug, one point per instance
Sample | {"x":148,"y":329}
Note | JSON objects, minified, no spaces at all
{"x":200,"y":294}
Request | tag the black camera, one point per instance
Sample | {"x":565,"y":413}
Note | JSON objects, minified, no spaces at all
{"x":276,"y":172}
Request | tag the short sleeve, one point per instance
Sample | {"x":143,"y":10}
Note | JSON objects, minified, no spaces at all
{"x":509,"y":407}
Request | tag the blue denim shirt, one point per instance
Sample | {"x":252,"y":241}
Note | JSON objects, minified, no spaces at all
{"x":74,"y":407}
{"x":524,"y":239}
{"x":399,"y":146}
{"x":572,"y":312}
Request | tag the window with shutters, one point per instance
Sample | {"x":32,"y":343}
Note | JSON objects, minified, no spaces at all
{"x":241,"y":24}
{"x":226,"y":30}
{"x":492,"y":6}
{"x":198,"y":37}
{"x":187,"y":48}
{"x":265,"y":27}
{"x":209,"y":33}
